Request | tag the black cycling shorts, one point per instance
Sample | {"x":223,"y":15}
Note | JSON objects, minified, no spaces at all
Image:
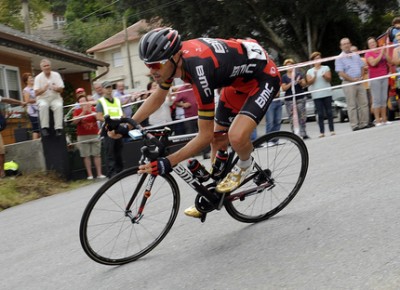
{"x":251,"y":99}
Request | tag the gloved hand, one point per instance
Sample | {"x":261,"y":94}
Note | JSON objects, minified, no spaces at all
{"x":161,"y":166}
{"x":123,"y":130}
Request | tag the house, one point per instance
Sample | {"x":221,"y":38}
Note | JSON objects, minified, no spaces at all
{"x":51,"y":27}
{"x":122,"y":52}
{"x":20,"y":53}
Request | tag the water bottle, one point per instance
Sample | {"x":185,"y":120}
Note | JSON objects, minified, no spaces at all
{"x":219,"y":164}
{"x":198,"y":170}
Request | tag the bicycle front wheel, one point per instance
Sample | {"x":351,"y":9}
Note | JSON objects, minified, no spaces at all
{"x":113,"y":234}
{"x":282,"y":158}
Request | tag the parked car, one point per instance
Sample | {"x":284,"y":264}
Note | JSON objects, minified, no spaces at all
{"x":310,"y":109}
{"x":339,"y":107}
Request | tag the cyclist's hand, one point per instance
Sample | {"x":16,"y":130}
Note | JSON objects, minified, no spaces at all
{"x":114,"y":135}
{"x":161,"y":166}
{"x":119,"y":132}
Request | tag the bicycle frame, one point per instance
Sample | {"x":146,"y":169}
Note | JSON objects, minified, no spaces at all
{"x":184,"y":173}
{"x":188,"y":177}
{"x":215,"y":200}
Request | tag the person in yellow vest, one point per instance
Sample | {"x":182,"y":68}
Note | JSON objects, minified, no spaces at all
{"x":108,"y":105}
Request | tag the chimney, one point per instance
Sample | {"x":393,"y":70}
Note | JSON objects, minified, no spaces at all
{"x":25,"y":14}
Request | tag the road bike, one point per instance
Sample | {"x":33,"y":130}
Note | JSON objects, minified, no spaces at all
{"x":131,"y":213}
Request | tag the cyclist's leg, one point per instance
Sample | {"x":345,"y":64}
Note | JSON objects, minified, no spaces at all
{"x":220,"y":141}
{"x":252,"y":108}
{"x":240,"y":136}
{"x":223,"y":119}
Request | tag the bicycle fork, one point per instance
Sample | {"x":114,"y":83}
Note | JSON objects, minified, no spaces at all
{"x":147,"y":193}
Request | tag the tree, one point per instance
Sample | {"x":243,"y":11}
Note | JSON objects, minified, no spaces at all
{"x":92,"y":21}
{"x":83,"y":35}
{"x":10,"y":13}
{"x":291,"y":27}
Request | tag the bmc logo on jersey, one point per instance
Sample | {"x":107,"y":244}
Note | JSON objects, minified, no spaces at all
{"x":242,"y":69}
{"x":217,"y":45}
{"x":264,"y":96}
{"x":203,"y":80}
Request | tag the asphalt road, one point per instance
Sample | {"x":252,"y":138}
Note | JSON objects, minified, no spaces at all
{"x":342,"y":231}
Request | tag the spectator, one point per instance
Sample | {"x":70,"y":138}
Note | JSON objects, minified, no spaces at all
{"x":396,"y":57}
{"x":350,"y":68}
{"x":177,"y":113}
{"x":319,"y":77}
{"x":151,"y":86}
{"x":30,"y":98}
{"x":299,"y":85}
{"x":2,"y":149}
{"x":186,"y":99}
{"x":273,"y":117}
{"x":86,"y":131}
{"x":125,"y":99}
{"x":163,"y":114}
{"x":48,"y":87}
{"x":365,"y":77}
{"x":377,"y":61}
{"x":393,"y":30}
{"x":109,"y":105}
{"x":98,"y":91}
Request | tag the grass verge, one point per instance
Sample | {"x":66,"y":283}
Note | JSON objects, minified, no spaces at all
{"x":18,"y":190}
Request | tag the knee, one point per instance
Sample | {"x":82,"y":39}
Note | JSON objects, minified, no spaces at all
{"x":238,"y":138}
{"x":43,"y":106}
{"x":57,"y":106}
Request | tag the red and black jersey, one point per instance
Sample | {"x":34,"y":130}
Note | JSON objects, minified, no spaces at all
{"x":210,"y":63}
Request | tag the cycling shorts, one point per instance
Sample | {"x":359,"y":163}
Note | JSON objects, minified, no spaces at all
{"x":250,"y":98}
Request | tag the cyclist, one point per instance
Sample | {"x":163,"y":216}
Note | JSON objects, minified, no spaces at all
{"x":249,"y":81}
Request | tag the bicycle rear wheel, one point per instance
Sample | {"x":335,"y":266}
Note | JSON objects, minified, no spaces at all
{"x":111,"y":234}
{"x":283,"y":158}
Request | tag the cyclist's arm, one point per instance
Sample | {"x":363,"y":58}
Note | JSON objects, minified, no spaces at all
{"x":152,"y":103}
{"x":201,"y":141}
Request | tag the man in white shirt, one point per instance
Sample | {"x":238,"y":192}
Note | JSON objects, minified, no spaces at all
{"x":48,"y":87}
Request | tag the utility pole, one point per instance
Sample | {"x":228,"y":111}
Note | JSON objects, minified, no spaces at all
{"x":128,"y":52}
{"x":25,"y":13}
{"x":308,"y":27}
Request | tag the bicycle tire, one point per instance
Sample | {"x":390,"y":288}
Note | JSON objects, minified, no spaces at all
{"x":110,"y":237}
{"x":284,"y":156}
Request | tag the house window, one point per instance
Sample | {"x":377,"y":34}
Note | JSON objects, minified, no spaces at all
{"x":58,"y":21}
{"x":117,"y":59}
{"x":10,"y":82}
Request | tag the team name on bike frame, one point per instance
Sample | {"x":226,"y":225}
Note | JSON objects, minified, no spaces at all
{"x":187,"y":176}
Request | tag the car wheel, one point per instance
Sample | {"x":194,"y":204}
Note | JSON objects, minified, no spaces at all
{"x":342,"y":117}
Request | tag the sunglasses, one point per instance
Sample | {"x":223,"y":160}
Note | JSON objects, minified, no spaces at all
{"x":156,"y":65}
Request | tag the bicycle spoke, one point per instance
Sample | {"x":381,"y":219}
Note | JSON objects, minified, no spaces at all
{"x":286,"y":164}
{"x":113,"y":236}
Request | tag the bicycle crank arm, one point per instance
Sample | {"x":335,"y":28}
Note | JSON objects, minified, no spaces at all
{"x":242,"y":195}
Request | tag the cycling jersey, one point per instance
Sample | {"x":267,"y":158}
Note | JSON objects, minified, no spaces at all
{"x":241,"y":65}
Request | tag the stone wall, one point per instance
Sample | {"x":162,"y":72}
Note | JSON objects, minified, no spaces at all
{"x":31,"y":158}
{"x":28,"y":154}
